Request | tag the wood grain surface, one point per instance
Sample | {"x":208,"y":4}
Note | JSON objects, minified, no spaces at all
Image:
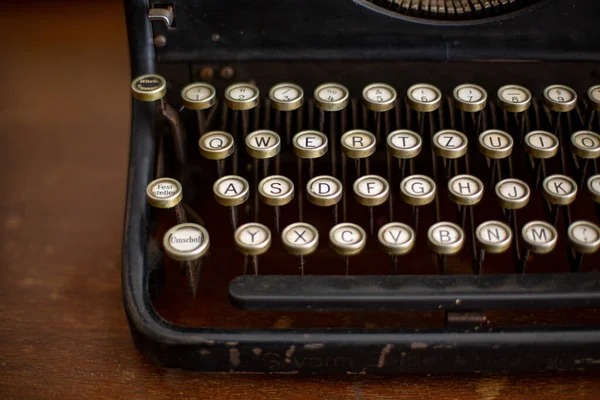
{"x":64,"y":119}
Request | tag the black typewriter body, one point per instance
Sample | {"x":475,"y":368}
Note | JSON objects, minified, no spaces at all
{"x":468,"y":316}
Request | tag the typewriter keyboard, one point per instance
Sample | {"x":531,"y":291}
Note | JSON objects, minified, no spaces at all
{"x":257,"y":192}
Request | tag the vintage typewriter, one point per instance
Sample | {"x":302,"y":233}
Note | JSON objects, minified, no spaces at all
{"x":364,"y":186}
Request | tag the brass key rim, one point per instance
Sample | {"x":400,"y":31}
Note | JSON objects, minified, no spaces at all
{"x":268,"y":151}
{"x":279,"y":199}
{"x":324,"y":200}
{"x":419,"y":104}
{"x":555,"y":198}
{"x":493,"y":152}
{"x":167,"y":201}
{"x":560,"y":106}
{"x":310,"y":152}
{"x":252,"y":249}
{"x":363,"y":152}
{"x":584,"y":247}
{"x":374,"y":200}
{"x":219,"y":153}
{"x":286,"y":105}
{"x":541,"y":152}
{"x":404,"y":152}
{"x":348,"y":249}
{"x":445,"y":248}
{"x":465,"y":200}
{"x":583,"y":151}
{"x":153,"y":92}
{"x":241,"y":104}
{"x":450,"y":152}
{"x":305,"y":248}
{"x":539,"y":247}
{"x":238,"y":198}
{"x":594,"y":99}
{"x":201,"y":104}
{"x":396,"y":248}
{"x":379,"y":106}
{"x":181,"y":255}
{"x":333,"y":105}
{"x":511,"y":203}
{"x":469,"y":106}
{"x":491,"y":246}
{"x":512,"y":106}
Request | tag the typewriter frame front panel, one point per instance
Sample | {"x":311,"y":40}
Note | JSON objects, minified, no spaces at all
{"x":323,"y":350}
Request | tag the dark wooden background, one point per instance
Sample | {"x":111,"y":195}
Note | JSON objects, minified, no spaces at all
{"x":64,"y":119}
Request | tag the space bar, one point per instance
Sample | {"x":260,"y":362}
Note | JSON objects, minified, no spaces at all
{"x":419,"y":292}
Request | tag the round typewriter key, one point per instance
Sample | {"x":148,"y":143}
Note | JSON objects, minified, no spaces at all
{"x":186,"y":242}
{"x":216,"y":145}
{"x":560,"y":98}
{"x":541,"y":144}
{"x":371,"y":190}
{"x":559,"y":189}
{"x":241,"y":96}
{"x":586,"y":144}
{"x":495,"y":144}
{"x":594,"y":97}
{"x":286,"y":96}
{"x":276,"y":190}
{"x":512,"y":194}
{"x":324,"y":190}
{"x":331,"y":97}
{"x":445,"y":238}
{"x":358,"y":143}
{"x":198,"y":96}
{"x":231,"y":190}
{"x":423,"y":97}
{"x":379,"y":97}
{"x":449,"y":143}
{"x":263,"y":144}
{"x":310,"y":144}
{"x":417,"y":190}
{"x":253,"y":238}
{"x":539,"y":237}
{"x":469,"y":97}
{"x":493,"y":236}
{"x":300,"y":238}
{"x":593,"y":185}
{"x":396,"y":238}
{"x":404,"y":143}
{"x":465,"y":190}
{"x":149,"y":87}
{"x":514,"y":98}
{"x":347,"y":239}
{"x":584,"y":237}
{"x":164,"y":193}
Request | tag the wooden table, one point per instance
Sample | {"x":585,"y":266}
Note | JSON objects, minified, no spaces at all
{"x":64,"y":119}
